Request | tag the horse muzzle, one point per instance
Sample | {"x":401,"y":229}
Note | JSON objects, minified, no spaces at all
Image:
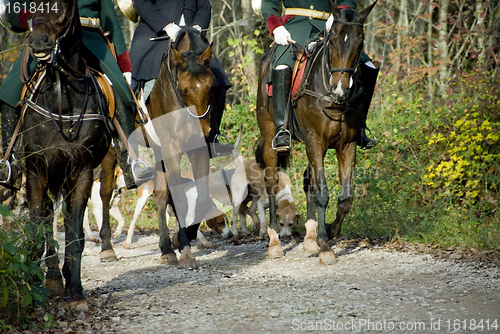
{"x":41,"y":46}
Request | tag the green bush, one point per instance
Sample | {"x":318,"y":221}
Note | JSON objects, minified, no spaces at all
{"x":20,"y":275}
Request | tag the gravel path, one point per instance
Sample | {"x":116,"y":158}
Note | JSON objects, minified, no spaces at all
{"x":237,"y":289}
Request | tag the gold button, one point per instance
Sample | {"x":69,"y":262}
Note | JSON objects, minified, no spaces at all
{"x":312,"y":7}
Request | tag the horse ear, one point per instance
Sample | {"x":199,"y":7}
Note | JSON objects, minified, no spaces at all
{"x":179,"y":60}
{"x":206,"y":55}
{"x":334,"y":9}
{"x":365,"y":12}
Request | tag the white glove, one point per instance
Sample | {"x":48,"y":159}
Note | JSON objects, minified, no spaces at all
{"x":128,"y":77}
{"x":329,"y":23}
{"x":172,"y":30}
{"x":281,"y":35}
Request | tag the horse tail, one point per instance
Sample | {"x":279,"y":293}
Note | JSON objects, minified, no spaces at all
{"x":283,"y":158}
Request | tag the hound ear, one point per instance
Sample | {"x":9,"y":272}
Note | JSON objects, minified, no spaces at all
{"x":206,"y":55}
{"x":334,"y":9}
{"x":365,"y":12}
{"x":179,"y":60}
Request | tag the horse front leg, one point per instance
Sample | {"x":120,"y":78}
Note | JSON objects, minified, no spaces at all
{"x":161,"y":199}
{"x":171,"y":159}
{"x":37,"y":196}
{"x":347,"y":160}
{"x":107,"y":179}
{"x":79,"y":194}
{"x":321,"y":199}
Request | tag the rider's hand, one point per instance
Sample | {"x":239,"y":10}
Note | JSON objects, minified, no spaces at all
{"x":281,"y":35}
{"x":172,"y":30}
{"x":128,"y":77}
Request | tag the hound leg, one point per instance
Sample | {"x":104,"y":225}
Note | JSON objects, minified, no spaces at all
{"x":144,"y":191}
{"x":275,"y":250}
{"x":86,"y":227}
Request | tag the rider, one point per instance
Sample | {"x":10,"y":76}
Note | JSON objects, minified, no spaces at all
{"x":96,"y":17}
{"x":164,"y":18}
{"x":300,"y":21}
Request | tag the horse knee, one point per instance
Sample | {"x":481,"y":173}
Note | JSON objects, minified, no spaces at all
{"x":344,"y":204}
{"x":322,"y":196}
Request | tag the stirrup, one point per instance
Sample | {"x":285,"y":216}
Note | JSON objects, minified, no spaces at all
{"x":213,"y":150}
{"x":363,"y":146}
{"x":283,"y":148}
{"x":139,"y":162}
{"x":7,"y":165}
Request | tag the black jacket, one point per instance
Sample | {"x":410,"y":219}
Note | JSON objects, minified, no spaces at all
{"x":154,"y":15}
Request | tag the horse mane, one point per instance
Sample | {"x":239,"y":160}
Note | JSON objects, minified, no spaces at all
{"x":348,"y":15}
{"x":197,"y":44}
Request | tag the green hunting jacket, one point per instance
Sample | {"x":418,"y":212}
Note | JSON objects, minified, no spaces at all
{"x":10,"y":91}
{"x":301,"y":28}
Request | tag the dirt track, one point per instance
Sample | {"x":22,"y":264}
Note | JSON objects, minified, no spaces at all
{"x":237,"y":289}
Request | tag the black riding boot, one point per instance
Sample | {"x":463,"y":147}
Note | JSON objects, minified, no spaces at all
{"x":135,"y":172}
{"x":282,"y":81}
{"x":10,"y":170}
{"x":368,"y":80}
{"x":216,"y":148}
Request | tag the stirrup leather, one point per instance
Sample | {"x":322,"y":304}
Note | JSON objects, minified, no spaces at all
{"x":282,"y":148}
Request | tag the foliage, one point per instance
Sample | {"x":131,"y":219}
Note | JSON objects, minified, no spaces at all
{"x":435,"y":173}
{"x":21,"y":276}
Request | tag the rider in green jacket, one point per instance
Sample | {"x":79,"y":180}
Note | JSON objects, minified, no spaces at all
{"x":96,"y":17}
{"x":298,"y":26}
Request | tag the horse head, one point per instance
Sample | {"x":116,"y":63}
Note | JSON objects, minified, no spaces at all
{"x":194,"y":78}
{"x":343,"y":48}
{"x":52,"y":21}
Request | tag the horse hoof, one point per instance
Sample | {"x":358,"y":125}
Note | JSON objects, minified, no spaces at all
{"x":275,"y":252}
{"x":79,"y":306}
{"x":311,"y":246}
{"x":170,"y":259}
{"x":187,"y":260}
{"x":108,"y":256}
{"x":55,"y":286}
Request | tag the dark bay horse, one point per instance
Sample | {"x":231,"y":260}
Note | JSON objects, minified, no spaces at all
{"x":65,"y":134}
{"x":328,"y":109}
{"x":179,"y":106}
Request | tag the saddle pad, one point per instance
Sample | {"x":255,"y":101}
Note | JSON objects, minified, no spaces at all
{"x":107,"y":91}
{"x":296,"y":81}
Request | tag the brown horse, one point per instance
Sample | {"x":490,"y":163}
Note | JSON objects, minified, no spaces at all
{"x":179,"y":106}
{"x":329,"y":112}
{"x":65,"y":134}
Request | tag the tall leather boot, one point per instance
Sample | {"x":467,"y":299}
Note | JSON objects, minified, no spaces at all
{"x":10,"y":170}
{"x":216,"y":148}
{"x":282,"y":81}
{"x":135,"y":172}
{"x":368,"y":80}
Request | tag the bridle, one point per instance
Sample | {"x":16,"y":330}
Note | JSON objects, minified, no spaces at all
{"x":59,"y":62}
{"x":173,"y":75}
{"x":357,"y":89}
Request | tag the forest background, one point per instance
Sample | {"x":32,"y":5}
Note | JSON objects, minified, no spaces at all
{"x":434,"y":176}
